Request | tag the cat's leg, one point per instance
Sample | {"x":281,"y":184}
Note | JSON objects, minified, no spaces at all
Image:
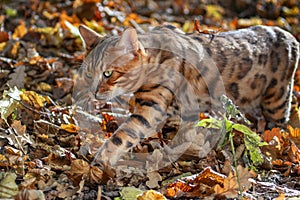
{"x":150,"y":113}
{"x":276,"y":102}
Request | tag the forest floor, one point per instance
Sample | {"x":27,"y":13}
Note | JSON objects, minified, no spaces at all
{"x":45,"y":154}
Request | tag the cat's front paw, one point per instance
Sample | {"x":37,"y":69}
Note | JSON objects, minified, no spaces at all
{"x":107,"y":156}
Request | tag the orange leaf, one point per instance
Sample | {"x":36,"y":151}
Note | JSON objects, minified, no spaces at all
{"x":191,"y":184}
{"x":197,"y":26}
{"x":269,"y":135}
{"x":210,"y":177}
{"x":294,"y":153}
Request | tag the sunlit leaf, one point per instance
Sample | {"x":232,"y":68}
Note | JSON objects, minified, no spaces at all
{"x":215,"y":11}
{"x":9,"y":102}
{"x":20,"y":31}
{"x":11,"y":12}
{"x":270,"y":134}
{"x":32,"y":98}
{"x":151,"y":194}
{"x":210,"y":123}
{"x":252,"y":142}
{"x":8,"y":186}
{"x":70,"y":128}
{"x":128,"y":193}
{"x":234,"y":183}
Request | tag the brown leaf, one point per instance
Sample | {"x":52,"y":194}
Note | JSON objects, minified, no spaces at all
{"x":232,"y":185}
{"x":96,"y":175}
{"x":80,"y":170}
{"x":17,"y":78}
{"x":64,"y":86}
{"x":154,"y":178}
{"x":4,"y":36}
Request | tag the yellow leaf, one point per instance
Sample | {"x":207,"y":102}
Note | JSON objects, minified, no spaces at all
{"x":71,"y":128}
{"x":33,"y":99}
{"x":151,"y":195}
{"x":20,"y":31}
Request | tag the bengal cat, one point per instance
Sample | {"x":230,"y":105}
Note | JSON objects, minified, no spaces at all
{"x":173,"y":75}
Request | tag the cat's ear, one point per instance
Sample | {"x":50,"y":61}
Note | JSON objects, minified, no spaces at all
{"x":89,"y":37}
{"x":129,"y":40}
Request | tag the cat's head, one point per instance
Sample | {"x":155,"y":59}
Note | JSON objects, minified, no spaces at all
{"x":113,"y":65}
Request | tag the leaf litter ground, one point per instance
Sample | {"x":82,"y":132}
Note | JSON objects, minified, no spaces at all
{"x":46,"y":155}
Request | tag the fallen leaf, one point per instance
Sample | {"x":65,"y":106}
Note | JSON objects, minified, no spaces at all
{"x":233,"y":183}
{"x":196,"y":185}
{"x":154,"y":179}
{"x":128,"y":193}
{"x":151,"y":194}
{"x":270,"y":134}
{"x":33,"y":99}
{"x":71,"y":128}
{"x":8,"y":186}
{"x":9,"y":102}
{"x":17,"y":78}
{"x":20,"y":31}
{"x":4,"y":36}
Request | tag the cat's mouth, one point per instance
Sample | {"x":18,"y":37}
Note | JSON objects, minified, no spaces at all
{"x":102,"y":97}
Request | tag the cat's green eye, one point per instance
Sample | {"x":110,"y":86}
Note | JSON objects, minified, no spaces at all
{"x":107,"y":74}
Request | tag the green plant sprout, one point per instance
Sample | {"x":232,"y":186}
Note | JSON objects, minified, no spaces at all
{"x":227,"y":126}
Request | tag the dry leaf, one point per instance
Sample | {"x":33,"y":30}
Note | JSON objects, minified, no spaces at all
{"x":269,"y":135}
{"x":197,"y":26}
{"x":231,"y":185}
{"x":80,"y":170}
{"x":17,"y":78}
{"x":151,"y":195}
{"x":20,"y":31}
{"x":196,"y":185}
{"x":4,"y":36}
{"x":71,"y":128}
{"x":33,"y":99}
{"x":154,"y":178}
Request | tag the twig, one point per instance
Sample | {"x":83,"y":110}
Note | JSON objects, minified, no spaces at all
{"x":136,"y":26}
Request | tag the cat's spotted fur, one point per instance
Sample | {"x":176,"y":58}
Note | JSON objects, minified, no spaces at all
{"x":173,"y":74}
